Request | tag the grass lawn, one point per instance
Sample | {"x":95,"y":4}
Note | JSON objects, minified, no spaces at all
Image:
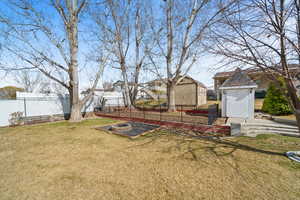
{"x":75,"y":161}
{"x":209,"y":103}
{"x":150,"y":103}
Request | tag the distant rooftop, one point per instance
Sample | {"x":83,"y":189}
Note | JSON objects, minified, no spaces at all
{"x":250,"y":71}
{"x":239,"y":78}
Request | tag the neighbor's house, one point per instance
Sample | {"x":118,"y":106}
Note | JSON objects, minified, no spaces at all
{"x":259,"y":77}
{"x":111,"y":96}
{"x":120,"y":85}
{"x":157,"y":85}
{"x":149,"y":90}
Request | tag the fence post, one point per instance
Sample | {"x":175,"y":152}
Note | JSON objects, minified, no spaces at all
{"x":119,"y":107}
{"x":159,"y":111}
{"x":181,"y":114}
{"x":25,"y":111}
{"x":144,"y":110}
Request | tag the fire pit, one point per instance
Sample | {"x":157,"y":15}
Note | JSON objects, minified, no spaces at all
{"x":129,"y":129}
{"x":121,"y":127}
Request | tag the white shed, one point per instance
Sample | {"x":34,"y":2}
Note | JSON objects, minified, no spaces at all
{"x":238,"y":96}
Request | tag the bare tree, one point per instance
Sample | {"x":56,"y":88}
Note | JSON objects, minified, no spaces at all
{"x":296,"y":13}
{"x":45,"y":36}
{"x":122,"y":31}
{"x":108,"y":85}
{"x":142,"y":43}
{"x":178,"y":36}
{"x":263,"y":34}
{"x":31,"y":81}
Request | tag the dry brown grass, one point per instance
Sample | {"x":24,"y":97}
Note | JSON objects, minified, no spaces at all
{"x":68,"y":161}
{"x":289,"y":117}
{"x":209,"y":103}
{"x":258,"y":104}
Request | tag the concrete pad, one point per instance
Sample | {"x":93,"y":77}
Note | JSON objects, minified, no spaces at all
{"x":260,"y":121}
{"x":235,"y":120}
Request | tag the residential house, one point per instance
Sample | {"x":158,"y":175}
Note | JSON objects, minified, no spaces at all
{"x":257,"y":75}
{"x":157,"y":85}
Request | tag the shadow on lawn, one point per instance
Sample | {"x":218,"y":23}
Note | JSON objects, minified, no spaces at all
{"x":194,"y":143}
{"x":237,"y":145}
{"x":214,"y":152}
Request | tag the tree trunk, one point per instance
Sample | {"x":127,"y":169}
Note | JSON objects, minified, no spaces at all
{"x":76,"y":106}
{"x":297,"y":114}
{"x":297,"y":3}
{"x":73,"y":66}
{"x":126,"y":88}
{"x":76,"y":113}
{"x":294,"y":100}
{"x":171,"y":98}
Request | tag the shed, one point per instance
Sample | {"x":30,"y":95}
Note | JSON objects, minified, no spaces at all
{"x":238,"y":96}
{"x":189,"y":92}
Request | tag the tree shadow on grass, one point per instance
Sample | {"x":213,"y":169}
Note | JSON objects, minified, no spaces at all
{"x":209,"y":153}
{"x":236,"y":145}
{"x":188,"y":139}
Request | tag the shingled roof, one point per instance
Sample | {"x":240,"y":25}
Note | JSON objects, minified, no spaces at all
{"x":239,"y":78}
{"x":292,"y":67}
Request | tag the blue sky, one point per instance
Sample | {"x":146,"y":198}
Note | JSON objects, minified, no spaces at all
{"x":202,"y":71}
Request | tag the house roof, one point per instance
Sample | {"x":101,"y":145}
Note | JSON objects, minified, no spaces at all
{"x":239,"y":79}
{"x":250,"y":71}
{"x":230,"y":73}
{"x":121,"y":83}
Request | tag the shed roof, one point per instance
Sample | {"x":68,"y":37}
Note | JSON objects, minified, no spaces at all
{"x":239,"y":79}
{"x":184,"y":77}
{"x":195,"y":81}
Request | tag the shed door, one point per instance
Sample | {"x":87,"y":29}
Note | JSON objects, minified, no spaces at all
{"x":237,"y":103}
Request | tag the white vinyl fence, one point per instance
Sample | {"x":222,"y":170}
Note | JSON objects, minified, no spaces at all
{"x":32,"y":107}
{"x":39,"y":105}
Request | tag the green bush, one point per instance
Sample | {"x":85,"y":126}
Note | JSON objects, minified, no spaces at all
{"x":275,"y":103}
